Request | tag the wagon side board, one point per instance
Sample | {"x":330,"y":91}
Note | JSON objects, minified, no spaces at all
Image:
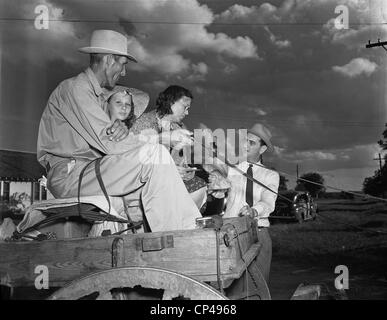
{"x":190,"y":252}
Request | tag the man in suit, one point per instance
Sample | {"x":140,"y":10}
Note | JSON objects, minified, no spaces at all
{"x":249,"y":198}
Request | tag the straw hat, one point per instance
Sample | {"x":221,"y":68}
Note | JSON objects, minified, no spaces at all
{"x":262,"y":132}
{"x":108,"y":41}
{"x":140,"y":98}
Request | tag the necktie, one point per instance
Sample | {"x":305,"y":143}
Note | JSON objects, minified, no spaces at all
{"x":249,"y":186}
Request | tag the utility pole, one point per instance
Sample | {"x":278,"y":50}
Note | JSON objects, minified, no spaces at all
{"x":297,"y":171}
{"x":377,"y":44}
{"x":380,"y":161}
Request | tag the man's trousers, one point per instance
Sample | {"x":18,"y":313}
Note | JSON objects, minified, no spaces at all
{"x":147,"y":172}
{"x":264,"y":257}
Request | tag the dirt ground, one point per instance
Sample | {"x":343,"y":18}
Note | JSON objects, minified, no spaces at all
{"x":352,"y":233}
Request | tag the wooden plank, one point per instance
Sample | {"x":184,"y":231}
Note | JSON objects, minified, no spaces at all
{"x":65,"y":259}
{"x":248,"y":257}
{"x":193,"y":253}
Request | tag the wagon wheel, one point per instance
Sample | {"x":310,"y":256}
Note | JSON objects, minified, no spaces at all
{"x":250,"y":286}
{"x":137,"y":283}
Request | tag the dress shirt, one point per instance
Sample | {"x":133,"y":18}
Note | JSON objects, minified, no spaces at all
{"x":264,"y":200}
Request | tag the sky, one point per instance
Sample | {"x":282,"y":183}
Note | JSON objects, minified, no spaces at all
{"x":292,"y":65}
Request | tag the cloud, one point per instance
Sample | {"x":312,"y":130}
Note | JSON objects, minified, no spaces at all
{"x":200,"y":90}
{"x":350,"y":179}
{"x":157,"y":84}
{"x":353,"y":157}
{"x":353,"y":38}
{"x":366,"y":22}
{"x":316,"y":155}
{"x":299,"y":156}
{"x":266,"y":12}
{"x":258,"y":111}
{"x":366,"y":18}
{"x":164,"y":47}
{"x":170,"y":48}
{"x":290,"y":11}
{"x":278,"y":43}
{"x":341,"y":168}
{"x":38,"y":42}
{"x":230,"y":68}
{"x":356,"y":67}
{"x":199,"y":72}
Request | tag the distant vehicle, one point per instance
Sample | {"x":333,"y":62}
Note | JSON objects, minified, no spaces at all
{"x":302,"y":208}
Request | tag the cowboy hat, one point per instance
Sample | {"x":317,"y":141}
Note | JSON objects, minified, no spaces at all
{"x":262,"y":132}
{"x":110,"y":42}
{"x":140,"y":98}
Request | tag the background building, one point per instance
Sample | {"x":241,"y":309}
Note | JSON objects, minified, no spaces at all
{"x":20,"y":173}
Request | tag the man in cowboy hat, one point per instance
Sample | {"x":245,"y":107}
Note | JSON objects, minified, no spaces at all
{"x":248,"y":198}
{"x":75,"y":130}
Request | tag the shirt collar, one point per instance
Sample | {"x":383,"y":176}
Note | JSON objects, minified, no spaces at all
{"x":258,"y":163}
{"x":245,"y":164}
{"x":94,"y":82}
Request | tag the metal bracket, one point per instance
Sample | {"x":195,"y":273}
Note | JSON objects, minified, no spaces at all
{"x":154,"y":244}
{"x":118,"y":256}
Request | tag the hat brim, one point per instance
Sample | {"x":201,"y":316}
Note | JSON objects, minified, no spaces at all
{"x":140,"y":101}
{"x":107,"y":51}
{"x":269,"y":145}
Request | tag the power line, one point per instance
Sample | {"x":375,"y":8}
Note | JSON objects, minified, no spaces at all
{"x":309,"y":181}
{"x":225,"y":161}
{"x":212,"y":23}
{"x":331,"y":122}
{"x":330,"y":187}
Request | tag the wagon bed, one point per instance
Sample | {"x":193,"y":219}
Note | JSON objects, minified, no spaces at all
{"x":221,"y":259}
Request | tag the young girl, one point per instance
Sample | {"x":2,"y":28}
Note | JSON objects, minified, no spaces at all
{"x":126,"y":104}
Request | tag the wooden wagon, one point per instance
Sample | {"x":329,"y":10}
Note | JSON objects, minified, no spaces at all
{"x":204,"y":263}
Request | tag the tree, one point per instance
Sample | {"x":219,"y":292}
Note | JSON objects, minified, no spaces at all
{"x":282,"y":183}
{"x":312,"y":188}
{"x":377,"y":184}
{"x":383,"y":142}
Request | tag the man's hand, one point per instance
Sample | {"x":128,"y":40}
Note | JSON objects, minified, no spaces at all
{"x":181,"y":138}
{"x":118,"y":131}
{"x":177,"y":138}
{"x":248,"y":211}
{"x":185,"y":173}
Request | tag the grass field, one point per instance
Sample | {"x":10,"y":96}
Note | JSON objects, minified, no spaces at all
{"x":346,"y":232}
